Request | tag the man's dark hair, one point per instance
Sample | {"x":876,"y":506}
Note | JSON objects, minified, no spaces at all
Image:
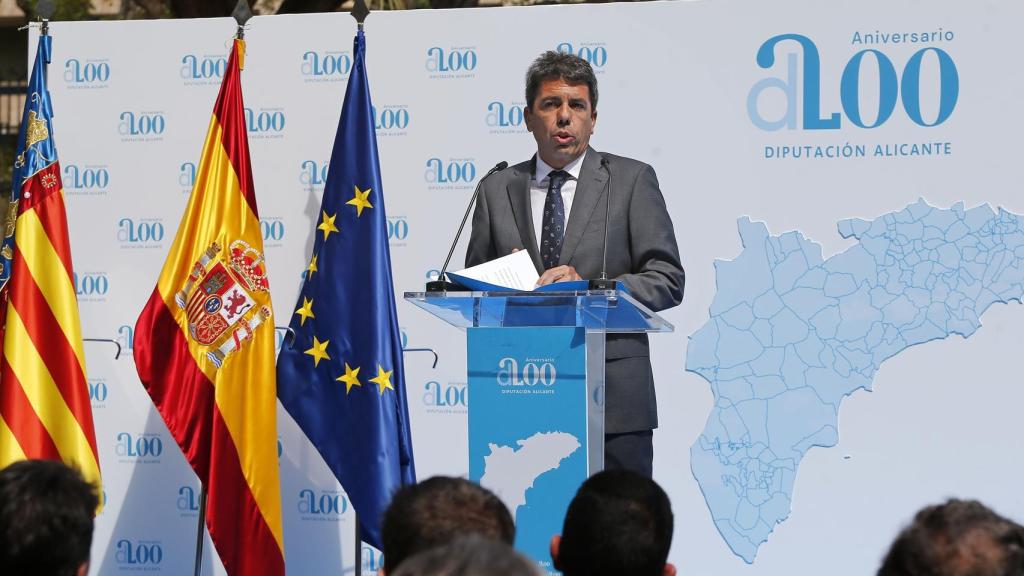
{"x":436,"y":512}
{"x":958,"y":538}
{"x":553,"y":65}
{"x":619,"y":523}
{"x":469,"y":556}
{"x":46,"y":513}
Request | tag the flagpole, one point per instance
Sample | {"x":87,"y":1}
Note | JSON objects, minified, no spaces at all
{"x":200,"y":532}
{"x":359,"y":12}
{"x":359,"y":549}
{"x":241,"y":14}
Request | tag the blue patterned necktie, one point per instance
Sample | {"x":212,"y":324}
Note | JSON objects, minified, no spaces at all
{"x":553,"y":223}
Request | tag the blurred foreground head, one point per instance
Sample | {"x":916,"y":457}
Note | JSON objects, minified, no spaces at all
{"x":469,"y":556}
{"x":958,"y":538}
{"x":619,"y":523}
{"x":438,"y":511}
{"x":46,"y":513}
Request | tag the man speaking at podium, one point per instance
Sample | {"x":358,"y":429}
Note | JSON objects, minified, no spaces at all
{"x":554,"y":206}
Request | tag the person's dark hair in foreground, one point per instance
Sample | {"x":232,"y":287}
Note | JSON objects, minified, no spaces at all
{"x":437,"y":511}
{"x":469,"y":556}
{"x":46,"y":519}
{"x":620,"y":522}
{"x":958,"y":538}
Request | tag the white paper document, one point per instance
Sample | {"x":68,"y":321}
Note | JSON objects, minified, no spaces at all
{"x":515,"y":271}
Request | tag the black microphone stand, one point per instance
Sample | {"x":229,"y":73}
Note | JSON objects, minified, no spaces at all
{"x":604,"y":283}
{"x":442,"y":284}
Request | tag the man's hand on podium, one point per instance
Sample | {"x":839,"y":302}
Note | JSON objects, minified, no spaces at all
{"x":558,"y":274}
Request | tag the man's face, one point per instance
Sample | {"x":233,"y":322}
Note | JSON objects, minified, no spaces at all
{"x":561,"y":120}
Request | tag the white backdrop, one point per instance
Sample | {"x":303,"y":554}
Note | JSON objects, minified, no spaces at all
{"x":132,"y":102}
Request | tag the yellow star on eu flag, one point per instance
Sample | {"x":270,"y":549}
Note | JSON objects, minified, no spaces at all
{"x":306,"y":311}
{"x":351,"y":378}
{"x":327,"y":224}
{"x":312,"y":267}
{"x":383,"y":379}
{"x":319,"y":351}
{"x":360,"y":201}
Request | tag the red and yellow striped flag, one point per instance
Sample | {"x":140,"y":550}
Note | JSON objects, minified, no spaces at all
{"x":44,"y":397}
{"x":204,"y":346}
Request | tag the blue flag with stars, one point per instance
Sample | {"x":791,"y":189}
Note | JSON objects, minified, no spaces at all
{"x":340,"y":376}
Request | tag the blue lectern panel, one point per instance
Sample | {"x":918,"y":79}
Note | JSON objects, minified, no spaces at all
{"x":528,"y":425}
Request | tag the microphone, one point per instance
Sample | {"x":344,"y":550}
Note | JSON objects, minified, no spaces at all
{"x":604,"y":283}
{"x":442,"y":284}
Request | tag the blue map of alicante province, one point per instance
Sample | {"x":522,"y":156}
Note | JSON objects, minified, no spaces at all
{"x":791,"y":334}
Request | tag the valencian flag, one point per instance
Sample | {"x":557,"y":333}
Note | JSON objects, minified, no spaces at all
{"x":44,"y":397}
{"x":204,"y":346}
{"x":341,"y":376}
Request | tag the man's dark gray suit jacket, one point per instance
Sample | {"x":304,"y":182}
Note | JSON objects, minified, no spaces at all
{"x":642,"y":254}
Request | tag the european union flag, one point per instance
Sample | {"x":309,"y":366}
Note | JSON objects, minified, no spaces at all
{"x":341,"y":376}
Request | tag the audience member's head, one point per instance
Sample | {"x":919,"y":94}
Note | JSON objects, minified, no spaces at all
{"x":958,"y":538}
{"x":468,"y":556}
{"x":46,"y":513}
{"x":437,"y":511}
{"x":619,"y":523}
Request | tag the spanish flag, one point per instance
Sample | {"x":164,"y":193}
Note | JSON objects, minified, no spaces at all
{"x":44,"y":397}
{"x":204,"y":346}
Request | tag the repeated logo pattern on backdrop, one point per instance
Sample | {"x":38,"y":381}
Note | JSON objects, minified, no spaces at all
{"x":756,"y":110}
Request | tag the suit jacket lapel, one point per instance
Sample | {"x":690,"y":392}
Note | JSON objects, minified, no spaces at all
{"x":589,"y":190}
{"x":519,"y":198}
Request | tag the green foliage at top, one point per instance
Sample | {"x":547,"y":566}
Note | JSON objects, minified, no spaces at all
{"x":66,"y":9}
